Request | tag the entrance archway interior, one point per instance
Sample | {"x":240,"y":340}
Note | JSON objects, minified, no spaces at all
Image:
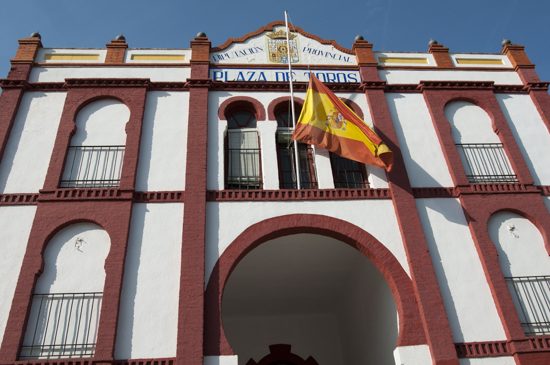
{"x":315,"y":293}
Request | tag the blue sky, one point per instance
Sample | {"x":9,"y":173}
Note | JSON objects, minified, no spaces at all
{"x":392,"y":25}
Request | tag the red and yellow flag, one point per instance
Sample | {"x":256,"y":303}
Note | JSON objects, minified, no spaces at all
{"x":327,"y":122}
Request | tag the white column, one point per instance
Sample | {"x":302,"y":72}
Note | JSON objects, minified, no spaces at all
{"x":324,"y":169}
{"x":270,"y":172}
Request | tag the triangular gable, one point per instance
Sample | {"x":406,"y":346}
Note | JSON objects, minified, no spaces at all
{"x":267,"y":46}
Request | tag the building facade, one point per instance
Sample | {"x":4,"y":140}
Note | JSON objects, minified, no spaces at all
{"x":150,"y":210}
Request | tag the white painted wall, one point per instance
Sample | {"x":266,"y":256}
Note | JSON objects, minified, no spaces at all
{"x":59,"y":74}
{"x":420,"y":146}
{"x":415,"y":76}
{"x":470,"y":307}
{"x":15,"y":225}
{"x":162,"y":155}
{"x":501,"y":360}
{"x":217,"y":130}
{"x":150,"y":292}
{"x":530,"y":132}
{"x":547,"y":202}
{"x":74,"y":260}
{"x":374,"y":216}
{"x":470,"y":123}
{"x":30,"y":144}
{"x":520,"y":245}
{"x":101,"y":123}
{"x":412,"y":355}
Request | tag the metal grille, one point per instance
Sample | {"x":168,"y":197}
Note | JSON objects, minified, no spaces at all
{"x":243,"y":168}
{"x":348,"y":174}
{"x":93,"y":167}
{"x":287,"y":166}
{"x":531,"y":295}
{"x":62,"y":326}
{"x":486,"y":163}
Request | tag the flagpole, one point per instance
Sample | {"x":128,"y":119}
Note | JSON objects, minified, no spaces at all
{"x":296,"y":153}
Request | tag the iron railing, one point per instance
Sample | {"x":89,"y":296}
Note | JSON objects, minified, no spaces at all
{"x":486,"y":163}
{"x":93,"y":167}
{"x":243,"y":168}
{"x":531,"y":295}
{"x":348,"y":174}
{"x":62,"y":325}
{"x":287,"y":166}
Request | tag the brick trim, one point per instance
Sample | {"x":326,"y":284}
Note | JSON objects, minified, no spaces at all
{"x":116,"y":51}
{"x":538,"y":346}
{"x":258,"y":107}
{"x":275,"y":102}
{"x":410,"y":329}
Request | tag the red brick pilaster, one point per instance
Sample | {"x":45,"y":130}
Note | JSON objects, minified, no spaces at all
{"x":432,"y":311}
{"x":191,"y":302}
{"x":21,"y":64}
{"x":116,"y":50}
{"x":441,"y":55}
{"x":518,"y":57}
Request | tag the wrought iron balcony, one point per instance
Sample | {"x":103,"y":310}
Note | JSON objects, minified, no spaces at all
{"x":93,"y":167}
{"x":531,"y":295}
{"x":62,"y":325}
{"x":486,"y":163}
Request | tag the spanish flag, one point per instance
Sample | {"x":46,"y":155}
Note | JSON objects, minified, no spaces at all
{"x":327,"y":122}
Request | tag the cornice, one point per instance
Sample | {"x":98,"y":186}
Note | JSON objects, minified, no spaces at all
{"x":106,"y":82}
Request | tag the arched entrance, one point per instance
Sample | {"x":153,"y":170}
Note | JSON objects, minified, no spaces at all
{"x":324,"y":241}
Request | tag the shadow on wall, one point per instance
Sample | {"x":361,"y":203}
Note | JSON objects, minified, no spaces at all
{"x":125,"y":327}
{"x":15,"y":135}
{"x":146,"y":146}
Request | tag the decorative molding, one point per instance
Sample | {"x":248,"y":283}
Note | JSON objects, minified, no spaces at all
{"x":420,"y":193}
{"x":510,"y":89}
{"x":166,"y":85}
{"x":483,"y":349}
{"x":159,"y":196}
{"x":84,"y":194}
{"x":495,"y":188}
{"x":18,"y":199}
{"x":227,"y":103}
{"x":13,"y":84}
{"x":90,"y":361}
{"x":270,"y":27}
{"x":503,"y":348}
{"x":538,"y":86}
{"x":305,"y":194}
{"x":454,"y":85}
{"x":106,"y":82}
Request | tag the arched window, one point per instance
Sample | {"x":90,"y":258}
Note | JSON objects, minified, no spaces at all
{"x":481,"y":151}
{"x":95,"y":155}
{"x":286,"y":155}
{"x":66,"y":304}
{"x":526,"y":267}
{"x":242,"y":168}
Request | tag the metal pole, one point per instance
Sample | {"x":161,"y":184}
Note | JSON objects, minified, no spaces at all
{"x":296,"y":154}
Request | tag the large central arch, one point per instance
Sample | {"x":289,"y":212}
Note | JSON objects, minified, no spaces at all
{"x":410,"y":326}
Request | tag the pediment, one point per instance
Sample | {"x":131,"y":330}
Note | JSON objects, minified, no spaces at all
{"x":267,"y":46}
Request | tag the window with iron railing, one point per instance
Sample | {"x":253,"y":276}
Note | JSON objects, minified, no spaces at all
{"x":93,"y":167}
{"x":348,"y":174}
{"x":531,"y":295}
{"x":243,"y":160}
{"x":62,"y":325}
{"x":486,"y":163}
{"x":287,"y":163}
